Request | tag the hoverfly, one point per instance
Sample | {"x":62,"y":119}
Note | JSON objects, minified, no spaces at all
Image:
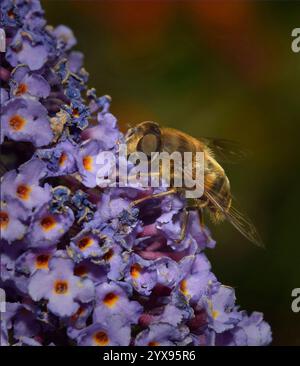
{"x":149,"y":137}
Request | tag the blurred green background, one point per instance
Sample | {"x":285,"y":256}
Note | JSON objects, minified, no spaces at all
{"x":223,"y":69}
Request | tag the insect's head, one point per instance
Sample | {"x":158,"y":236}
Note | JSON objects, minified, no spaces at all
{"x":144,"y":137}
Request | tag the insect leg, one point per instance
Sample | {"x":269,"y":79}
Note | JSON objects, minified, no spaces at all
{"x":186,"y":214}
{"x":201,"y":218}
{"x":191,"y":206}
{"x":151,"y":196}
{"x":202,"y":225}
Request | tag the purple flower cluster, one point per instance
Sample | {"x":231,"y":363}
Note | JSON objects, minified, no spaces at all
{"x":79,"y":264}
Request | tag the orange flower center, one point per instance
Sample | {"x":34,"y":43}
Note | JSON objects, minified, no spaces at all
{"x":75,"y":113}
{"x":22,"y":89}
{"x":80,"y":271}
{"x":110,"y":299}
{"x":85,"y":242}
{"x":107,"y":256}
{"x":17,"y":123}
{"x":4,"y":219}
{"x":42,"y":261}
{"x":23,"y":191}
{"x":11,"y":14}
{"x":215,"y":314}
{"x":101,"y":338}
{"x":135,"y":270}
{"x":183,"y":287}
{"x":153,"y":344}
{"x":62,"y":159}
{"x":87,"y":163}
{"x":61,"y":287}
{"x":76,"y":315}
{"x":48,"y":223}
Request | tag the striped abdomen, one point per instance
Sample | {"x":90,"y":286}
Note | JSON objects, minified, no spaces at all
{"x":217,"y":185}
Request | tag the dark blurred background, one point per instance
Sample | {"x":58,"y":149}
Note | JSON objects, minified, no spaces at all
{"x":223,"y":69}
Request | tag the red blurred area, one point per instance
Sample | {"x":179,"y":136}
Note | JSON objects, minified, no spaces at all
{"x":137,"y":22}
{"x":231,"y":28}
{"x":234,"y":29}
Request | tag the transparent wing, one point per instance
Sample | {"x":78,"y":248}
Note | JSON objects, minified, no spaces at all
{"x":239,"y":220}
{"x":226,"y":151}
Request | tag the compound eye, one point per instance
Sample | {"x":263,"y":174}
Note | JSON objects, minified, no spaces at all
{"x":148,"y":144}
